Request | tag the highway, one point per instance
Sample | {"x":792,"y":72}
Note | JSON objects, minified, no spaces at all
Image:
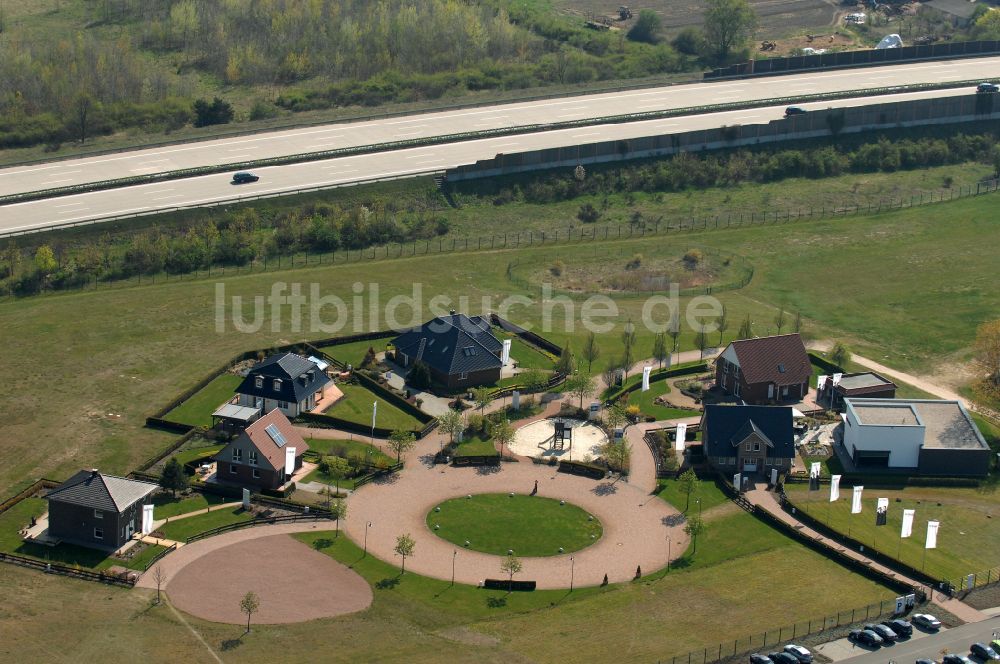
{"x":209,"y":189}
{"x":956,"y":640}
{"x":347,"y":134}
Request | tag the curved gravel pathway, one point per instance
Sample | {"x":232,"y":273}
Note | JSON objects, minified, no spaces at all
{"x":636,"y":523}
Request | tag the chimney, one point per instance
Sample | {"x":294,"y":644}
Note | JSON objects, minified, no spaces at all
{"x":452,"y":312}
{"x":93,"y":472}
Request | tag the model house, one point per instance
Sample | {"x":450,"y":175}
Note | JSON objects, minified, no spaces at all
{"x":264,"y":456}
{"x":287,"y":382}
{"x":926,"y":436}
{"x":748,"y":439}
{"x":460,"y":351}
{"x":765,"y":370}
{"x":96,"y":510}
{"x":838,"y":387}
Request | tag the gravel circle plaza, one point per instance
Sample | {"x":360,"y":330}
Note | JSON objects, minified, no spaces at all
{"x":501,"y":523}
{"x":636,"y":523}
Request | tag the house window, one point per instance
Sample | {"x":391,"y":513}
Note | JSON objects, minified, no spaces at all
{"x":98,"y":514}
{"x":256,"y":473}
{"x":463,"y":376}
{"x":283,"y":404}
{"x":736,"y":388}
{"x":238,"y":455}
{"x":725,"y":366}
{"x":756,"y":446}
{"x":748,"y":445}
{"x":98,"y":533}
{"x":259,"y":382}
{"x":252,"y":457}
{"x":233,"y":468}
{"x":277,"y":385}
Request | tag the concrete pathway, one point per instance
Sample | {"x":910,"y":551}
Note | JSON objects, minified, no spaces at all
{"x":767,"y":501}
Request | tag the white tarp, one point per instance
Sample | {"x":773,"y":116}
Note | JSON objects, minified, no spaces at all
{"x":820,"y":382}
{"x":907,"y":528}
{"x":681,"y":436}
{"x":890,"y":41}
{"x":645,"y":378}
{"x":505,"y":353}
{"x":932,"y":532}
{"x":856,"y":500}
{"x":147,"y":519}
{"x":834,"y":488}
{"x":289,"y":461}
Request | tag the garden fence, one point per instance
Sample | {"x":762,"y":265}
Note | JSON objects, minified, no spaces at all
{"x":972,"y":581}
{"x":578,"y":234}
{"x":126,"y":579}
{"x":158,"y":557}
{"x":271,"y":520}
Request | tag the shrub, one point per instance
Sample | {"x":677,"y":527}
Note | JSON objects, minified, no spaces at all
{"x":588,"y":214}
{"x":557,"y":268}
{"x":634,"y":263}
{"x":692,"y":258}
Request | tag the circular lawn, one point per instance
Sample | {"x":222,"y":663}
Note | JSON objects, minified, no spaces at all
{"x":531,"y":526}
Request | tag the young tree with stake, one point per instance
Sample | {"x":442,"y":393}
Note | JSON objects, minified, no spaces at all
{"x":591,"y":351}
{"x":250,"y":604}
{"x":401,"y":442}
{"x":404,"y":547}
{"x":511,"y":566}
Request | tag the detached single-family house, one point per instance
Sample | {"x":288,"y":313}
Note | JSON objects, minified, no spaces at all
{"x":925,"y":436}
{"x":96,"y":510}
{"x":287,"y":382}
{"x":460,"y":351}
{"x":265,"y":455}
{"x":748,"y":439}
{"x":856,"y":385}
{"x":765,"y":370}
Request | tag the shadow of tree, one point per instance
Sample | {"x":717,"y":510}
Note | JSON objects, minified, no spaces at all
{"x":488,"y":470}
{"x":496,"y":602}
{"x":388,"y":478}
{"x":387,"y":583}
{"x":673,"y":520}
{"x":427,"y":460}
{"x":231,"y":644}
{"x":680,"y":563}
{"x":323,"y":543}
{"x":605,"y":489}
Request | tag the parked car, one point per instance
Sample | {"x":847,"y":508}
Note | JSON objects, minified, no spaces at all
{"x":782,"y":658}
{"x":899,"y":626}
{"x":757,"y":658}
{"x":925,"y":661}
{"x":865,"y":636}
{"x":983,"y":651}
{"x":244,"y":177}
{"x":995,"y":644}
{"x":956,"y":659}
{"x":887,"y":634}
{"x":794,"y":110}
{"x":798,"y":652}
{"x":987,"y":88}
{"x":926,"y":620}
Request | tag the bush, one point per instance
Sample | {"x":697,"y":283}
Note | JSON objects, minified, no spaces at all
{"x":692,"y":258}
{"x":588,"y":214}
{"x":216,"y":112}
{"x":557,"y":268}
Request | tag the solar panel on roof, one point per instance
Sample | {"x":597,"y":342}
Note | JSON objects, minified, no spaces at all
{"x":275,"y":434}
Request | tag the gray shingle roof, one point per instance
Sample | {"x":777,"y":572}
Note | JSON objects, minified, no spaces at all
{"x":727,"y":426}
{"x":90,"y":488}
{"x":452,"y":344}
{"x":289,"y":368}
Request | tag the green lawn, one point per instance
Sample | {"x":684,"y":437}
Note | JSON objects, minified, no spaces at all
{"x":346,"y":449}
{"x":356,"y":406}
{"x":705,"y":491}
{"x":181,"y":529}
{"x":199,"y":408}
{"x":168,"y":506}
{"x":527,"y":356}
{"x":645,"y":401}
{"x":968,"y":539}
{"x":353,"y":353}
{"x":193,"y":453}
{"x":476,"y":446}
{"x":530,"y":525}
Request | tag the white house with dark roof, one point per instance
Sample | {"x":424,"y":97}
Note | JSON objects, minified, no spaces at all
{"x":285,"y":381}
{"x":97,"y":510}
{"x":927,"y":436}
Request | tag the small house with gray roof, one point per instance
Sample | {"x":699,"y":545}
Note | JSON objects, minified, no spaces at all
{"x":868,"y":385}
{"x":921,"y":436}
{"x":285,"y":381}
{"x":96,"y":510}
{"x":748,"y":439}
{"x":460,"y":351}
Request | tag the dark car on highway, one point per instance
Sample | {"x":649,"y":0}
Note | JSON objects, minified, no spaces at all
{"x":865,"y":636}
{"x":983,"y":652}
{"x":757,"y":658}
{"x":782,"y":658}
{"x":899,"y":626}
{"x":986,"y":88}
{"x":887,"y":634}
{"x":794,"y":110}
{"x":244,"y":177}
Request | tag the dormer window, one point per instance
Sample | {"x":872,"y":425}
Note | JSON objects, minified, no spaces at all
{"x":781,"y":368}
{"x":258,"y":382}
{"x":277,"y":385}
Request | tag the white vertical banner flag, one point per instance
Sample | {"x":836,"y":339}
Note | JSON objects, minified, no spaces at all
{"x":882,"y":512}
{"x":681,"y":436}
{"x":820,"y":383}
{"x":645,"y":378}
{"x":289,"y":461}
{"x":736,"y":481}
{"x":932,"y":531}
{"x":815,"y":469}
{"x":147,"y":519}
{"x":246,"y":499}
{"x":774,"y":477}
{"x":834,"y":488}
{"x":907,"y":528}
{"x":374,"y":410}
{"x":505,"y":353}
{"x":856,"y":500}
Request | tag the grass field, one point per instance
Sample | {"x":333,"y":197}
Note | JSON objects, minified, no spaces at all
{"x":353,"y":353}
{"x":645,"y":401}
{"x":181,"y":529}
{"x":199,"y":408}
{"x":968,"y":539}
{"x":705,"y":491}
{"x":531,"y":526}
{"x":476,"y":446}
{"x":166,"y":505}
{"x":346,"y":449}
{"x":356,"y":406}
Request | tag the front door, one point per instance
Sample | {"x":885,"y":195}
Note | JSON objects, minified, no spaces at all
{"x":770,"y":391}
{"x":750,"y":465}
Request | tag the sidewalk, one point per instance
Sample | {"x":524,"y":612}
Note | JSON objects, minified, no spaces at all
{"x":766,"y":500}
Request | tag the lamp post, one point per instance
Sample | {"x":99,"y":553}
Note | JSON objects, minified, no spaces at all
{"x":368,"y":524}
{"x":668,"y":553}
{"x":572,"y":569}
{"x":454,"y":555}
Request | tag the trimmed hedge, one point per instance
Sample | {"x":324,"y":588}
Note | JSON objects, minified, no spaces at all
{"x":503,"y":584}
{"x":590,"y":470}
{"x":661,"y":374}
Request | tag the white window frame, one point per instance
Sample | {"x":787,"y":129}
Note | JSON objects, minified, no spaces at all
{"x":756,"y":446}
{"x":98,"y":514}
{"x":238,"y":454}
{"x":252,"y":457}
{"x":725,"y":366}
{"x":233,"y":468}
{"x":736,"y":387}
{"x":256,"y":473}
{"x":259,"y":382}
{"x":276,"y":385}
{"x":99,"y":536}
{"x":464,"y":375}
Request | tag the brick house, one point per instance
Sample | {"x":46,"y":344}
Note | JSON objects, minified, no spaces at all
{"x":285,"y":381}
{"x":96,"y":510}
{"x":460,"y":351}
{"x":264,"y":456}
{"x":765,"y":370}
{"x":748,"y":439}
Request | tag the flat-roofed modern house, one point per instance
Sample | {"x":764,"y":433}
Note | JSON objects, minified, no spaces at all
{"x":926,"y":436}
{"x":96,"y":510}
{"x":264,"y":456}
{"x":866,"y":385}
{"x":748,"y":439}
{"x":765,"y":370}
{"x":460,"y":351}
{"x":285,"y":381}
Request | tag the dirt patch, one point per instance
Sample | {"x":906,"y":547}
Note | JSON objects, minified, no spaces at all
{"x":294,"y":583}
{"x":832,"y":40}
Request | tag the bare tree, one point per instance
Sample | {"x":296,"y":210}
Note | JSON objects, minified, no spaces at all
{"x":660,"y":351}
{"x":590,"y":351}
{"x":779,"y":320}
{"x":722,"y":322}
{"x":160,"y":577}
{"x":511,"y":566}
